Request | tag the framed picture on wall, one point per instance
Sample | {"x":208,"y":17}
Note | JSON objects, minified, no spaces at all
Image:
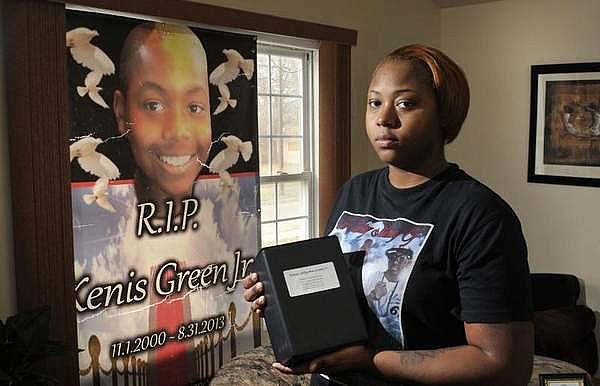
{"x":564,"y":380}
{"x":564,"y":137}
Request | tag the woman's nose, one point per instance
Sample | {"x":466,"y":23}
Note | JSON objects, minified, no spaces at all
{"x":387,"y":117}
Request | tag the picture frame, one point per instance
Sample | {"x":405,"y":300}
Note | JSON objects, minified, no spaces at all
{"x":564,"y":136}
{"x":577,"y":379}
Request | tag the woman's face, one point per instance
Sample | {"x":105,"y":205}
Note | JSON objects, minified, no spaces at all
{"x":402,"y":116}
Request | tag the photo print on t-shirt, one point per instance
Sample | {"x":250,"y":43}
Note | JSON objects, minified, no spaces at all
{"x":391,"y":247}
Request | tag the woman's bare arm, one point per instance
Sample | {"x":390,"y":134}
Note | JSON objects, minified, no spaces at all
{"x":496,"y":354}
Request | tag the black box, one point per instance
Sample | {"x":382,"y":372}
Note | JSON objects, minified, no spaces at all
{"x":311,"y":303}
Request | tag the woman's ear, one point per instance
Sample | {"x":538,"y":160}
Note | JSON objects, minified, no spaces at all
{"x":119,"y":109}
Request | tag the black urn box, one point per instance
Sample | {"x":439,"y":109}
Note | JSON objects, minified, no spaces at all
{"x":312,"y":308}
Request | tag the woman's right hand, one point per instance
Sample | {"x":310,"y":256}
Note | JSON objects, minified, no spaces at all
{"x":254,"y":293}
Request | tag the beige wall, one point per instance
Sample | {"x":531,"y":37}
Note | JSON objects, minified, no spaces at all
{"x":382,"y":26}
{"x":496,"y":43}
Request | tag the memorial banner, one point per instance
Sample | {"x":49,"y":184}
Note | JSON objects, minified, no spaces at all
{"x":164,"y":182}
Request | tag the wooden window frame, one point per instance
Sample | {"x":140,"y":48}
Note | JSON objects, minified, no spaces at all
{"x":37,"y":120}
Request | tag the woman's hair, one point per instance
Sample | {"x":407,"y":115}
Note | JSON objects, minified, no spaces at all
{"x":447,"y":79}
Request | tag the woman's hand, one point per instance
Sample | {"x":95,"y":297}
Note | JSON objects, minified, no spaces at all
{"x":355,"y":358}
{"x":254,"y":293}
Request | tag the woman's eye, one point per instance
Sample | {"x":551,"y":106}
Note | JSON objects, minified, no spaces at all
{"x":373,"y":103}
{"x":196,"y":108}
{"x":154,"y":106}
{"x":405,"y":105}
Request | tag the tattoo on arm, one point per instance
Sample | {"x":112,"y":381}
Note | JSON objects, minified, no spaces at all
{"x":413,"y":358}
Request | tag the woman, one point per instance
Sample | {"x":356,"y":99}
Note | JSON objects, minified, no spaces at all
{"x":465,"y":308}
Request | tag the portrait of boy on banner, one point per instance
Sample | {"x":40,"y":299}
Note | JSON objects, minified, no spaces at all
{"x":164,"y":196}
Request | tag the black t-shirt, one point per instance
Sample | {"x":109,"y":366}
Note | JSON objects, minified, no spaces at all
{"x":439,"y":254}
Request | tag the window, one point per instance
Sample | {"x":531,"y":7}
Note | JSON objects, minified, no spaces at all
{"x":286,"y":144}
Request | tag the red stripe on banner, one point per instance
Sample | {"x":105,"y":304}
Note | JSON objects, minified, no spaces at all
{"x":87,"y":184}
{"x":213,"y":176}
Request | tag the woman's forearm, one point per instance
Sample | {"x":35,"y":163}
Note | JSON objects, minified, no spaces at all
{"x":454,"y":365}
{"x":496,"y":355}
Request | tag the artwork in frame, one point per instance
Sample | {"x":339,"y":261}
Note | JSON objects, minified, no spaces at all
{"x":580,"y":379}
{"x":564,"y":140}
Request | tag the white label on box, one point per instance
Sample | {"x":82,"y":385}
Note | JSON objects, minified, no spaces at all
{"x":311,"y":279}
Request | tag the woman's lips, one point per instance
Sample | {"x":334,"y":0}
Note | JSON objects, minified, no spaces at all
{"x":386,"y":141}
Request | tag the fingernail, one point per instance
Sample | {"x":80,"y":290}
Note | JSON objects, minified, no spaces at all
{"x":254,"y":276}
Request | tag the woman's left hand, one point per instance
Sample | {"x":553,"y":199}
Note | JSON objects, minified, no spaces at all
{"x":349,"y":358}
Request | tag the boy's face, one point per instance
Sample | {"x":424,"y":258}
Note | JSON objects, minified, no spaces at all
{"x":166,"y":108}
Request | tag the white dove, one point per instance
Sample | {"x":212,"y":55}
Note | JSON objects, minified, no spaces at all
{"x":224,"y":100}
{"x":100,"y":195}
{"x":91,"y":88}
{"x":87,"y":54}
{"x":229,"y":156}
{"x":228,"y":71}
{"x":90,"y":160}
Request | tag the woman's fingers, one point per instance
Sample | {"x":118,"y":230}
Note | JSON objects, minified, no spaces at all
{"x":253,"y":292}
{"x":282,"y":368}
{"x":250,"y":280}
{"x":258,"y":305}
{"x":300,"y":369}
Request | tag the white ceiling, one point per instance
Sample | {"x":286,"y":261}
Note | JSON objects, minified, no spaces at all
{"x":458,"y":3}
